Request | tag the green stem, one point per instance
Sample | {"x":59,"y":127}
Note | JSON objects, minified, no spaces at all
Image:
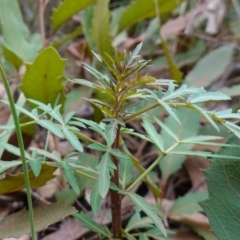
{"x":21,"y":147}
{"x":156,"y":191}
{"x":84,"y":138}
{"x":143,"y":110}
{"x":148,"y":170}
{"x":150,"y":107}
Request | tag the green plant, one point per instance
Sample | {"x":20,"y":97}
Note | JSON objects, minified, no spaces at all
{"x":121,"y":94}
{"x":126,"y":88}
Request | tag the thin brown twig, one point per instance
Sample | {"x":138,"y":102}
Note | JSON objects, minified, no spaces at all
{"x":42,"y":7}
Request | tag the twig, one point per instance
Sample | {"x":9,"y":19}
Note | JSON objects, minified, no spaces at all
{"x":42,"y":7}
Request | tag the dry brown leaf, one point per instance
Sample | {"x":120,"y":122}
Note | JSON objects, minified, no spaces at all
{"x":195,"y":221}
{"x":177,"y":25}
{"x":51,"y":187}
{"x":185,"y":234}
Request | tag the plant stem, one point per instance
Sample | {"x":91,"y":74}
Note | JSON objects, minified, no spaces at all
{"x":157,"y":104}
{"x":115,"y":196}
{"x":143,"y":175}
{"x":83,"y":137}
{"x":21,"y":147}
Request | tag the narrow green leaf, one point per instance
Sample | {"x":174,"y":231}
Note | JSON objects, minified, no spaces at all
{"x":66,"y":10}
{"x":5,"y":165}
{"x":104,"y":175}
{"x":126,"y":171}
{"x":153,"y":135}
{"x":70,"y":177}
{"x":203,"y":112}
{"x":98,"y":147}
{"x":166,"y":128}
{"x":190,"y":123}
{"x":15,"y":150}
{"x":188,"y":203}
{"x":91,"y":224}
{"x":51,"y":127}
{"x":100,"y":27}
{"x":169,"y":110}
{"x":110,"y":131}
{"x":208,"y":96}
{"x":95,"y":199}
{"x":71,"y":137}
{"x":141,"y":204}
{"x":136,"y":222}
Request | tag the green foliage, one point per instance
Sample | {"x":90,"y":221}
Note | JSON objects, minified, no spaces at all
{"x":188,"y":203}
{"x":122,"y":93}
{"x":100,"y":27}
{"x":223,"y":182}
{"x":210,"y":67}
{"x":92,"y":225}
{"x":43,"y":79}
{"x":190,"y":123}
{"x":19,"y":44}
{"x":66,"y":10}
{"x":140,"y":9}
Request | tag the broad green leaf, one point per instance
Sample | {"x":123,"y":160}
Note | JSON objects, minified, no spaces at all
{"x":189,"y":128}
{"x":65,"y":10}
{"x":17,"y":224}
{"x":210,"y":67}
{"x":153,"y":134}
{"x":222,"y":207}
{"x":43,"y":79}
{"x":141,"y":204}
{"x":100,"y":26}
{"x":91,"y":224}
{"x":95,"y":199}
{"x":138,"y":10}
{"x":188,"y":203}
{"x":104,"y":175}
{"x":71,"y":137}
{"x":67,"y":171}
{"x":110,"y":131}
{"x":5,"y":165}
{"x":12,"y":183}
{"x":16,"y":36}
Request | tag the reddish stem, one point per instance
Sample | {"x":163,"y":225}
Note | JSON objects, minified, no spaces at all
{"x":115,"y":196}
